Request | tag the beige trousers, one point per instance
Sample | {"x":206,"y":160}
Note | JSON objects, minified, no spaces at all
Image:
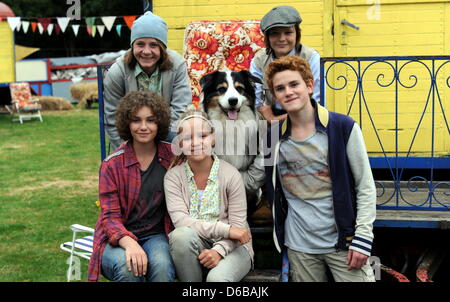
{"x":312,"y":268}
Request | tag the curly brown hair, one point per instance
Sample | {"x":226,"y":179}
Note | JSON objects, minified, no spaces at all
{"x":135,"y":100}
{"x":293,"y":63}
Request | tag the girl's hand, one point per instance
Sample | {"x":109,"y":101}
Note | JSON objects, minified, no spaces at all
{"x":241,"y":234}
{"x":209,"y":258}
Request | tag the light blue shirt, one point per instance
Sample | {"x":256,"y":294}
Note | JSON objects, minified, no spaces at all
{"x":314,"y":64}
{"x":310,"y":225}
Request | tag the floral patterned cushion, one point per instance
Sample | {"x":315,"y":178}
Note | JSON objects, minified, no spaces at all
{"x":218,"y":45}
{"x":21,"y":94}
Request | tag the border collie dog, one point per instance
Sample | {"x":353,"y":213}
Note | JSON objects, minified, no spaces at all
{"x":229,"y":100}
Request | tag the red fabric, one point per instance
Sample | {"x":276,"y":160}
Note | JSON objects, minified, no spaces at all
{"x":218,"y":45}
{"x":44,"y":22}
{"x":119,"y":187}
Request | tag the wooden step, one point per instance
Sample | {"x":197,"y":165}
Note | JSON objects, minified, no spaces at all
{"x":263,"y":275}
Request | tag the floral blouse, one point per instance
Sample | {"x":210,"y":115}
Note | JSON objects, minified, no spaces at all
{"x":206,"y":207}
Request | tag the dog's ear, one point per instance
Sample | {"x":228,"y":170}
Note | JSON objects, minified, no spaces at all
{"x":252,"y":78}
{"x":207,"y":80}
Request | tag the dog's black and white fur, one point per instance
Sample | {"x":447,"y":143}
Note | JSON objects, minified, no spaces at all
{"x":229,"y":98}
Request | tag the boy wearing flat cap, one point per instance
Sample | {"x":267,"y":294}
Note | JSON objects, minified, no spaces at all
{"x":320,"y":183}
{"x":281,"y":29}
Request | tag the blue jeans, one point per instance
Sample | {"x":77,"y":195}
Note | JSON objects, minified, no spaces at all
{"x":160,"y":264}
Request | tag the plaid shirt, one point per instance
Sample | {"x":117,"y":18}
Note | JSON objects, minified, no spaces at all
{"x":119,"y":187}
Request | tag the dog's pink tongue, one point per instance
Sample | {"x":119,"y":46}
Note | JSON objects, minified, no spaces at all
{"x":232,"y":114}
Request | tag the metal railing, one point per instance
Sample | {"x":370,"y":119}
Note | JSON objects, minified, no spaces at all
{"x":359,"y":82}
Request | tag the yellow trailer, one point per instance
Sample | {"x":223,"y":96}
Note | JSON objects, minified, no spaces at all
{"x":359,"y":28}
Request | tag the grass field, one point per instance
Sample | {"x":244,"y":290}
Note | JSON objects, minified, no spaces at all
{"x":48,"y":181}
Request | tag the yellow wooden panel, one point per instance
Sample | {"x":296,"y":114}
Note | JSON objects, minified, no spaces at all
{"x":372,"y":2}
{"x":6,"y":53}
{"x":179,"y":13}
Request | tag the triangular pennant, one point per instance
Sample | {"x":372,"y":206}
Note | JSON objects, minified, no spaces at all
{"x":45,"y":22}
{"x":33,"y":26}
{"x":119,"y":29}
{"x":109,"y":22}
{"x":75,"y":28}
{"x":63,"y":22}
{"x":129,"y":20}
{"x":94,"y":30}
{"x":13,"y":22}
{"x":57,"y":29}
{"x":90,"y":21}
{"x":50,"y":29}
{"x":101,"y":29}
{"x":89,"y":31}
{"x":41,"y":28}
{"x":25,"y":26}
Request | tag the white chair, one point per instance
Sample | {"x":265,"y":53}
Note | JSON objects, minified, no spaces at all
{"x":24,"y":105}
{"x":81,"y":247}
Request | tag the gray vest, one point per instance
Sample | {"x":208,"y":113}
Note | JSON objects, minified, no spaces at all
{"x":262,"y":60}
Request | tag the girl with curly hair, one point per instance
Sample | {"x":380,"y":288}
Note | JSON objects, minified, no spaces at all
{"x":130,"y":241}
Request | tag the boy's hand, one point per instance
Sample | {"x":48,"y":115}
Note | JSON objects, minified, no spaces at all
{"x":209,"y":258}
{"x":267,"y":113}
{"x":356,"y":259}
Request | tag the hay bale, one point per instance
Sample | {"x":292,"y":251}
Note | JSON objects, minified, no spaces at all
{"x":54,"y":103}
{"x":83,"y":92}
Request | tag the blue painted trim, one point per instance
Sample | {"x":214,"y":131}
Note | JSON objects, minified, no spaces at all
{"x":147,"y":5}
{"x":407,"y":224}
{"x":382,"y":162}
{"x":101,"y":111}
{"x":410,"y":208}
{"x":383,"y":58}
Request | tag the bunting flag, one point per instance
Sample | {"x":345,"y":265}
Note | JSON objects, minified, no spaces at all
{"x":33,"y":26}
{"x":60,"y":24}
{"x":57,"y":29}
{"x":75,"y":28}
{"x":129,"y":20}
{"x":63,"y":22}
{"x":44,"y":22}
{"x":101,"y":29}
{"x":119,"y":29}
{"x":109,"y":22}
{"x":89,"y":30}
{"x":90,"y":21}
{"x":25,"y":26}
{"x":13,"y":22}
{"x":40,"y":27}
{"x":50,"y":29}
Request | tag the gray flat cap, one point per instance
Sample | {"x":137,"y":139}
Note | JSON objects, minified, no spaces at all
{"x":280,"y":16}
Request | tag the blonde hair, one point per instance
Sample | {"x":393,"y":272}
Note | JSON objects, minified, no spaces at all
{"x":190,"y":113}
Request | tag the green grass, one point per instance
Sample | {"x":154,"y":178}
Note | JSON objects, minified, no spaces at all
{"x":48,"y":181}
